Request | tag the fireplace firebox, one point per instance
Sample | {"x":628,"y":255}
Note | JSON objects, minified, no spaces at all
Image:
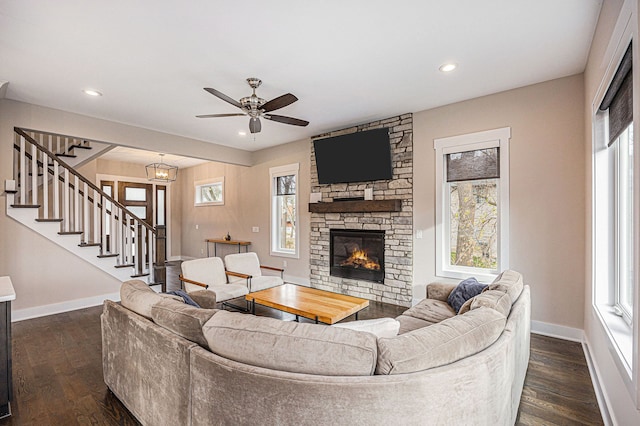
{"x":357,"y":254}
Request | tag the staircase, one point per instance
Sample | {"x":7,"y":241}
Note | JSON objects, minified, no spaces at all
{"x":49,"y":196}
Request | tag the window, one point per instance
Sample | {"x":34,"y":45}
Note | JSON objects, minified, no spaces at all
{"x":623,"y":218}
{"x":472,"y":204}
{"x":284,"y":210}
{"x":210,"y":192}
{"x":614,"y":225}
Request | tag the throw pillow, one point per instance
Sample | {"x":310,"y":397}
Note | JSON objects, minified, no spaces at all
{"x":464,"y":291}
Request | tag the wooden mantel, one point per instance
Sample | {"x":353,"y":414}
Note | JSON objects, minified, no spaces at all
{"x":357,"y":206}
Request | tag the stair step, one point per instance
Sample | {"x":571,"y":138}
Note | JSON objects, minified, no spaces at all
{"x":48,"y":220}
{"x":140,"y":275}
{"x":107,"y":255}
{"x":126,"y":265}
{"x":71,"y":233}
{"x":80,"y":146}
{"x":66,"y":155}
{"x":11,"y":191}
{"x":25,"y":206}
{"x":89,"y":245}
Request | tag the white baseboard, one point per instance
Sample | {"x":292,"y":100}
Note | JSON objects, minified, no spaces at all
{"x":173,"y":258}
{"x":57,"y":308}
{"x":558,"y":331}
{"x":297,"y":280}
{"x":594,"y":373}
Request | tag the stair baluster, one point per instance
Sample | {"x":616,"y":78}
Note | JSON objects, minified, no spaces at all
{"x":119,"y":232}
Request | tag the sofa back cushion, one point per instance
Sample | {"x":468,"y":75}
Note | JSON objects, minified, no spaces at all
{"x":494,"y":299}
{"x":440,"y":344}
{"x":137,"y":296}
{"x":509,"y":282}
{"x":182,"y":319}
{"x":291,"y":346}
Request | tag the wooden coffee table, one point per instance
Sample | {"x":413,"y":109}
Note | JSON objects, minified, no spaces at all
{"x":318,"y":305}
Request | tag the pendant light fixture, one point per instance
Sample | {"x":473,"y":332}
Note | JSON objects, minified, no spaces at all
{"x":161,"y":172}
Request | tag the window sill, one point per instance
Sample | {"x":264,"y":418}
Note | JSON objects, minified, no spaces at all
{"x":483,"y":277}
{"x":285,"y":254}
{"x":620,"y":334}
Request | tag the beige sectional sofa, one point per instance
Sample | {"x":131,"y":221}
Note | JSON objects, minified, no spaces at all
{"x":173,"y":364}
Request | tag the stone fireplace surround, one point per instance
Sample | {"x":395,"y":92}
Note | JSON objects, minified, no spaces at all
{"x":398,"y":225}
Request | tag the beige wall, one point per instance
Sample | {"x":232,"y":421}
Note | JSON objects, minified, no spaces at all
{"x":546,"y":188}
{"x":619,"y":398}
{"x":247,"y":204}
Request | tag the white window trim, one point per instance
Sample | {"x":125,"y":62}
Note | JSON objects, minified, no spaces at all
{"x":469,"y":142}
{"x":205,"y":182}
{"x":622,"y":338}
{"x":274,"y":172}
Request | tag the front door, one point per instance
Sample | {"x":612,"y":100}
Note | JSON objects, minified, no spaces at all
{"x":137,"y":198}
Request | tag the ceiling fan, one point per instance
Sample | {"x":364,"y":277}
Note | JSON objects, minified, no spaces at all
{"x":256,"y":107}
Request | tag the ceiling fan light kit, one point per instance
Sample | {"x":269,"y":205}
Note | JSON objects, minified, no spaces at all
{"x":256,"y":107}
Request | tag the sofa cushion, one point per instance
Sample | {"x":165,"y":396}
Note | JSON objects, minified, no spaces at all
{"x":136,"y":295}
{"x":439,"y":291}
{"x":510,"y":282}
{"x":494,"y":299}
{"x":380,"y":327}
{"x":182,"y":319}
{"x":408,"y":323}
{"x":440,"y":344}
{"x":464,"y":291}
{"x":291,"y":346}
{"x":431,"y":310}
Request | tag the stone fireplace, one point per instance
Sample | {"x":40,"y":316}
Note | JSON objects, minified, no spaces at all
{"x":389,"y":213}
{"x":357,"y":254}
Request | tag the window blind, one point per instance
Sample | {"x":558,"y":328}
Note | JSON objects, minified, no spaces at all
{"x":473,"y":165}
{"x":619,"y":98}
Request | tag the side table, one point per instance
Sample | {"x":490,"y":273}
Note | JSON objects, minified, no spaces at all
{"x":215,"y":242}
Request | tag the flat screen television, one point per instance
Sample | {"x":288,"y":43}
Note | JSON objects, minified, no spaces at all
{"x":356,"y":157}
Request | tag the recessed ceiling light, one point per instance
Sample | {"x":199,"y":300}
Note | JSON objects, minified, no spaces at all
{"x":448,"y":67}
{"x":92,"y":92}
{"x":242,"y":133}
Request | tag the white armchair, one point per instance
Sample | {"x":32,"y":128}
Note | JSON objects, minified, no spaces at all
{"x":246,"y":267}
{"x":209,"y":273}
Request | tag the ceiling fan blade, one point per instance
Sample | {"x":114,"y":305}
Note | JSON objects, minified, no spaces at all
{"x":254,"y":125}
{"x":224,"y":97}
{"x":279,"y":102}
{"x":219,"y":115}
{"x":286,"y":120}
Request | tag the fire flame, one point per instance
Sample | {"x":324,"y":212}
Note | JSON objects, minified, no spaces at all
{"x":359,"y":259}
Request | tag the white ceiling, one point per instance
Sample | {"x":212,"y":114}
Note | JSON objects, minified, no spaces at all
{"x":348,"y":61}
{"x":139,"y":156}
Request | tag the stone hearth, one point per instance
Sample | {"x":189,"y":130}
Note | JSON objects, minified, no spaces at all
{"x":398,"y":225}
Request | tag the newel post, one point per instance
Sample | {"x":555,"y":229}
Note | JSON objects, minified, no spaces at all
{"x":159,"y":268}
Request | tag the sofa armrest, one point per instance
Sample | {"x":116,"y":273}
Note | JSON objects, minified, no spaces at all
{"x":439,"y":291}
{"x":238,"y":274}
{"x":204,"y":298}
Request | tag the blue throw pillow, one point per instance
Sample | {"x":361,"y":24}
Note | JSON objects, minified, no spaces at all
{"x":464,"y":291}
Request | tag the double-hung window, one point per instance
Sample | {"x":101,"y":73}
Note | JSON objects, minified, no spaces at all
{"x":284,"y":210}
{"x":613,"y":203}
{"x":472,"y":204}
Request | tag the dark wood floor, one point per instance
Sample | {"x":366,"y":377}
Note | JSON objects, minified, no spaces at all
{"x":57,"y":375}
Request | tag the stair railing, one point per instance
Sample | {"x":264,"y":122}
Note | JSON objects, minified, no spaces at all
{"x":84,"y":209}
